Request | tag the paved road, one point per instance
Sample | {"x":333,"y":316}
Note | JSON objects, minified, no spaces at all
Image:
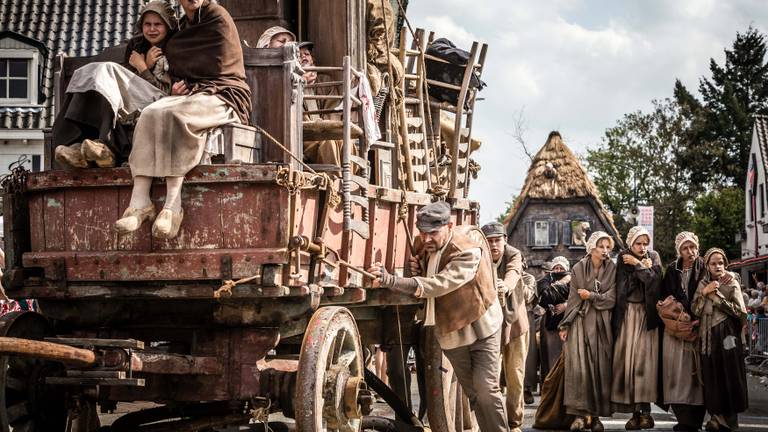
{"x":755,"y":419}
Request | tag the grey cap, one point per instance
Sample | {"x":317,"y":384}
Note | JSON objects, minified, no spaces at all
{"x":306,"y":44}
{"x":493,"y":229}
{"x":431,"y":217}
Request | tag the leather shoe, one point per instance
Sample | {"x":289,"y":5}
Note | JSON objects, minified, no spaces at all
{"x":633,"y":423}
{"x":167,"y":224}
{"x":646,"y":421}
{"x":528,"y":397}
{"x":133,"y":218}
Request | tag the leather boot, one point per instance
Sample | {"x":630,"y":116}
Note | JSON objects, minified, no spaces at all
{"x":633,"y":423}
{"x":70,"y":155}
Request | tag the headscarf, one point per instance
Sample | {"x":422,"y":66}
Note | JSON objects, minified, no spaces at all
{"x":164,"y":10}
{"x":561,"y":260}
{"x":682,"y":238}
{"x":596,"y":237}
{"x":712,"y":251}
{"x":635,"y":232}
{"x":269,"y":33}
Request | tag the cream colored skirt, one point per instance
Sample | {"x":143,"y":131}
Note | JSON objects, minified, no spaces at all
{"x":170,"y":136}
{"x":635,"y":360}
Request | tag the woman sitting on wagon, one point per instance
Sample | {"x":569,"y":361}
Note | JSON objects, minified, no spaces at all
{"x":103,"y":96}
{"x":206,"y":61}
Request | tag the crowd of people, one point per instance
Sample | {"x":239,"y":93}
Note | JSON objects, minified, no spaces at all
{"x":616,"y":334}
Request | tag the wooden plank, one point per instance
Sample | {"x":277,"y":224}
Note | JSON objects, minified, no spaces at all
{"x":415,"y":138}
{"x":253,"y":216}
{"x":54,"y":216}
{"x":307,"y":214}
{"x":36,"y":222}
{"x":201,"y":226}
{"x":415,"y":122}
{"x":134,"y":382}
{"x":96,"y":374}
{"x":101,"y":177}
{"x":95,"y":342}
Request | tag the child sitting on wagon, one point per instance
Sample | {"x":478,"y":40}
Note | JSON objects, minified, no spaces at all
{"x":103,"y":96}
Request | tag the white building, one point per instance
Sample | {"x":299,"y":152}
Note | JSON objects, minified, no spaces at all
{"x":754,"y":238}
{"x":33,"y":33}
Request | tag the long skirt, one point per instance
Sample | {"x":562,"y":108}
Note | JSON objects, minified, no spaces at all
{"x":588,"y":351}
{"x":724,"y":372}
{"x":682,"y":377}
{"x":551,"y":347}
{"x":635,"y":363}
{"x":171,"y":134}
{"x":551,"y":411}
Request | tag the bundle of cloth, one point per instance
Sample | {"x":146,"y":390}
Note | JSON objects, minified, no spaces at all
{"x":677,"y":322}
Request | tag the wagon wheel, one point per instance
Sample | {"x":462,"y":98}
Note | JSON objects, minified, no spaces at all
{"x":26,"y":402}
{"x":330,"y":373}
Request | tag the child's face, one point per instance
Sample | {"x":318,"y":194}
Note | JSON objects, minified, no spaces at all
{"x":153,"y":27}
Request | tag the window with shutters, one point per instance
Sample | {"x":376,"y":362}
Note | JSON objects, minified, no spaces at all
{"x":542,"y":233}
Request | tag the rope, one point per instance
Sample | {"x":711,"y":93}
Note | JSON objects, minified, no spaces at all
{"x":261,"y":414}
{"x":229,"y":284}
{"x":285,"y":149}
{"x":320,"y":181}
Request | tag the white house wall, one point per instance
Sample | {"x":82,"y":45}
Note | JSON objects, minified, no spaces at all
{"x":755,"y":228}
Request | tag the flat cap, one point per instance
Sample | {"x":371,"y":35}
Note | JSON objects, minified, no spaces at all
{"x":431,"y":217}
{"x":493,"y":229}
{"x":307,"y":44}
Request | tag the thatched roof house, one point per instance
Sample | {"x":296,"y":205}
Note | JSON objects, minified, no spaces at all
{"x":557,"y":208}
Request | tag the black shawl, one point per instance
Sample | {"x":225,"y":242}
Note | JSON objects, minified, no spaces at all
{"x":651,"y":282}
{"x":673,"y":280}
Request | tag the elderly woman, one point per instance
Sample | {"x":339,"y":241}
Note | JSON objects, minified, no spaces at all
{"x":553,"y":293}
{"x":682,"y":389}
{"x":586,"y":331}
{"x":275,"y":37}
{"x":719,"y":304}
{"x":206,"y":59}
{"x":635,"y":324}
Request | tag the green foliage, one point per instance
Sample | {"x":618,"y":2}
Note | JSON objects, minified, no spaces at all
{"x":717,"y":217}
{"x":637,"y":164}
{"x":509,"y":204}
{"x":719,"y":137}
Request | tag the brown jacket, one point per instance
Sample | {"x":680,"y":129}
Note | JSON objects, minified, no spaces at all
{"x":467,"y":304}
{"x":510,"y":269}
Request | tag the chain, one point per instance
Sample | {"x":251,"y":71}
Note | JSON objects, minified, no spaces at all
{"x":261,"y":414}
{"x":16,"y":180}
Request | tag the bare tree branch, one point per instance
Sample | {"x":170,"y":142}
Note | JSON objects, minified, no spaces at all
{"x":519,"y":128}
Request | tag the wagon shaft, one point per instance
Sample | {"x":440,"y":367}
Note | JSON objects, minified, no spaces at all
{"x":47,"y":351}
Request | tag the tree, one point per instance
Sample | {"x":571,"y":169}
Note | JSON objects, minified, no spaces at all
{"x":638,"y":162}
{"x":717,"y":217}
{"x":717,"y":143}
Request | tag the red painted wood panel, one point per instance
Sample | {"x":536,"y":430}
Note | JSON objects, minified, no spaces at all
{"x":252,"y":215}
{"x":307,"y":213}
{"x":53,"y":213}
{"x":380,"y":232}
{"x":89,"y":215}
{"x":201,"y":226}
{"x":36,"y":223}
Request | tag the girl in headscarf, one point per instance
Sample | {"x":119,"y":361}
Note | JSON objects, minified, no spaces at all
{"x":553,"y":292}
{"x":681,"y":377}
{"x":719,"y":304}
{"x":275,"y":37}
{"x":634,"y":324}
{"x":102,"y":96}
{"x":586,"y":331}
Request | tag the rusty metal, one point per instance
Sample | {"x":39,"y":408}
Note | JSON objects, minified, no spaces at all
{"x":330,"y":356}
{"x":175,"y":364}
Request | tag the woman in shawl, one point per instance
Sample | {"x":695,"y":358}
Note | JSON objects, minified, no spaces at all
{"x":206,"y":60}
{"x":103,"y":96}
{"x":719,"y":304}
{"x":275,"y":37}
{"x":586,"y":331}
{"x":553,"y":293}
{"x":635,"y":324}
{"x":681,"y":380}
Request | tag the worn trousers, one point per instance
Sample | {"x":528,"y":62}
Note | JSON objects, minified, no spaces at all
{"x":477,"y":369}
{"x":514,"y":355}
{"x":532,"y":359}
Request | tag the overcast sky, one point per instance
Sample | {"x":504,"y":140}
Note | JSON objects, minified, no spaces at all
{"x":577,"y":66}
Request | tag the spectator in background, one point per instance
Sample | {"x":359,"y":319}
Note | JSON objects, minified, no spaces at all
{"x":754,"y":299}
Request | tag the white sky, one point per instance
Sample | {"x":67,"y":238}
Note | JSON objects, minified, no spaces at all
{"x":577,"y":66}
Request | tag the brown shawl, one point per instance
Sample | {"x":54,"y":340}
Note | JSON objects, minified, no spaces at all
{"x":602,"y":289}
{"x":206,"y":53}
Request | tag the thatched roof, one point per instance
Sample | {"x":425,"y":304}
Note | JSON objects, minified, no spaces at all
{"x":555,"y":174}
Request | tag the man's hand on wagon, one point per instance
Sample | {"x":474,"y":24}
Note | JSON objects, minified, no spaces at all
{"x":384,"y":279}
{"x":415,"y":265}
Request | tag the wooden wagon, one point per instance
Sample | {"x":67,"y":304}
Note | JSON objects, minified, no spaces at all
{"x":261,"y":303}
